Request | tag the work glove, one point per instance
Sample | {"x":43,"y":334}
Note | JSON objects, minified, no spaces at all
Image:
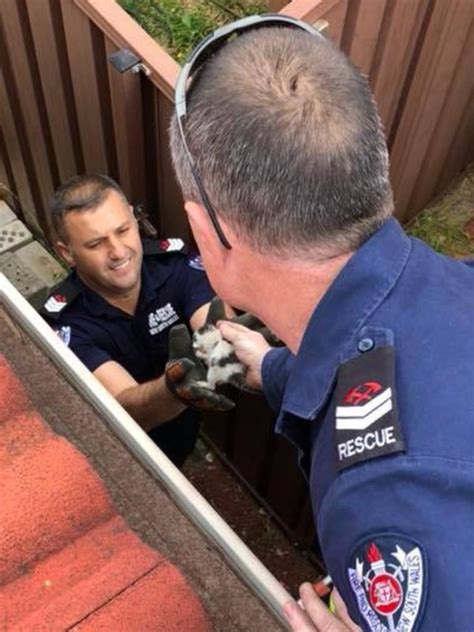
{"x":185,"y":374}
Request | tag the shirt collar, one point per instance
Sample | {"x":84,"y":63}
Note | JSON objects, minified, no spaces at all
{"x":357,"y":291}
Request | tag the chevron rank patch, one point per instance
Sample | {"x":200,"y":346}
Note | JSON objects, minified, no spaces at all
{"x":387,"y":576}
{"x":171,"y":245}
{"x":55,"y":303}
{"x":366,"y":410}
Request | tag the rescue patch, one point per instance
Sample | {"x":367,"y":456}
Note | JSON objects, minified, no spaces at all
{"x":55,"y":303}
{"x":64,"y":333}
{"x":161,"y":319}
{"x":171,"y":245}
{"x":195,"y":262}
{"x":366,"y":410}
{"x":386,"y":574}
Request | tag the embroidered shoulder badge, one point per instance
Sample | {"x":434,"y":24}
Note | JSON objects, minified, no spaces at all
{"x":366,"y":410}
{"x":386,"y":574}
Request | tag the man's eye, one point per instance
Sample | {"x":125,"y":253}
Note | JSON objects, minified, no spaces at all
{"x":124,"y":229}
{"x":94,"y":245}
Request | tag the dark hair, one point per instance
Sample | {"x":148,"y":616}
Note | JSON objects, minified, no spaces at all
{"x":80,"y":193}
{"x":285,"y":134}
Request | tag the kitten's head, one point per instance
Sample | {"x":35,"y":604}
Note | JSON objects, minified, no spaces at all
{"x":204,"y":341}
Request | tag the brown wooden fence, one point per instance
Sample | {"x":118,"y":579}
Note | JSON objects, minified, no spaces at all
{"x":65,"y":110}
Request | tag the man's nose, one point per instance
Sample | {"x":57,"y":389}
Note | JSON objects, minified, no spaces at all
{"x":117,"y":250}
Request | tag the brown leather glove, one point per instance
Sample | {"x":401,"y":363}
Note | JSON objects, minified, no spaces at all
{"x":186,"y":375}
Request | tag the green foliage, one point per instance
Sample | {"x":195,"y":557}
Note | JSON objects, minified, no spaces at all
{"x":178,"y":25}
{"x":442,"y":224}
{"x":442,"y":235}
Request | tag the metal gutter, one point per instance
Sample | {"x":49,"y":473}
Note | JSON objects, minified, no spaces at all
{"x":239,"y":557}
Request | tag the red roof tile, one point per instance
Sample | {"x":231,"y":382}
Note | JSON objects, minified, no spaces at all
{"x":67,"y":561}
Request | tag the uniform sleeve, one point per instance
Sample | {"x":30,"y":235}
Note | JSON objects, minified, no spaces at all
{"x":396,"y":533}
{"x":276,"y":367}
{"x":82,"y":345}
{"x":192,"y":285}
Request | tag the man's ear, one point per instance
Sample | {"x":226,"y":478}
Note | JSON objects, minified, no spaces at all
{"x":197,"y":216}
{"x":203,"y":230}
{"x":65,"y":253}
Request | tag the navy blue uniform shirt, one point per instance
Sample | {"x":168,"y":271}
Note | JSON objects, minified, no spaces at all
{"x":174,"y":286}
{"x":380,"y":403}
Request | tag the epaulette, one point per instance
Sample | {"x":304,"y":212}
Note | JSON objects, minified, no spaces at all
{"x":59,"y":298}
{"x":164,"y":246}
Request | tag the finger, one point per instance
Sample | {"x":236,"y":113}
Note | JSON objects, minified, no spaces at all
{"x":341,"y":611}
{"x":216,"y":311}
{"x":231,"y":331}
{"x":297,"y":618}
{"x":318,"y":611}
{"x":180,"y":344}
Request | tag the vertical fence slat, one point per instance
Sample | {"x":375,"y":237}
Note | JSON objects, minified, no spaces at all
{"x":6,"y":178}
{"x":336,"y":17}
{"x":447,"y":32}
{"x":254,"y":419}
{"x":361,"y":34}
{"x":128,"y":129}
{"x":459,"y":94}
{"x":286,"y":482}
{"x":52,"y":85}
{"x":80,"y":51}
{"x":40,"y":171}
{"x":173,"y":216}
{"x":15,"y":156}
{"x":397,"y":42}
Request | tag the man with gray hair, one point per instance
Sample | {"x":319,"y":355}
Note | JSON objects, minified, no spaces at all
{"x":283,"y":165}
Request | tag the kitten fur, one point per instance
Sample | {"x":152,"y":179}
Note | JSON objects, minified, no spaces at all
{"x":219,"y":356}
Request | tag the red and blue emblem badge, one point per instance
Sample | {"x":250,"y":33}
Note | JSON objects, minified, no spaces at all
{"x":386,"y":575}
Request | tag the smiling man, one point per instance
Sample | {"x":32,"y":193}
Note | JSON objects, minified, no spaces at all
{"x":117,"y":307}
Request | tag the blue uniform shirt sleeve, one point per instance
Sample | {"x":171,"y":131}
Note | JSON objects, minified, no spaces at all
{"x":192,"y":286}
{"x":82,"y":345}
{"x":384,"y":533}
{"x":276,"y":367}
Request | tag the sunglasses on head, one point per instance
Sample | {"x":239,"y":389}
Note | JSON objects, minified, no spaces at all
{"x":201,"y":53}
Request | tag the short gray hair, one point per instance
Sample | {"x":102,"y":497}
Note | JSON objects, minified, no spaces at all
{"x":286,"y":137}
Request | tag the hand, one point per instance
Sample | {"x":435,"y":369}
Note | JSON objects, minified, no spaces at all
{"x":250,"y":348}
{"x":186,"y":375}
{"x":315,"y":617}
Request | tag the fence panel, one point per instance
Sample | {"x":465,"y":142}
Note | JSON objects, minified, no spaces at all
{"x":440,"y":78}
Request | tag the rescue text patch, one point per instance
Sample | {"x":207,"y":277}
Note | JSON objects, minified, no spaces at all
{"x":366,"y":410}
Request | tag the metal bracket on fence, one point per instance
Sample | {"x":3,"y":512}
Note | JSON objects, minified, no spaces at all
{"x":124,"y":60}
{"x":322,"y":26}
